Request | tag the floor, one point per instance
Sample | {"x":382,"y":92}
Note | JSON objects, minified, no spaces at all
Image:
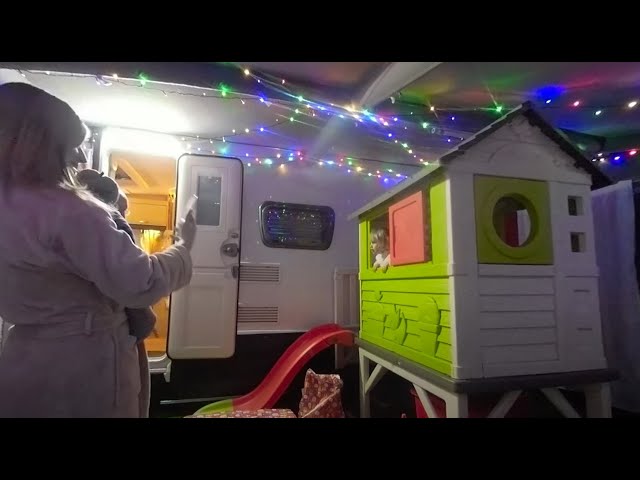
{"x":391,"y":398}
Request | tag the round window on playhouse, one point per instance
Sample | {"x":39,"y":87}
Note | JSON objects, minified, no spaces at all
{"x":512,"y":221}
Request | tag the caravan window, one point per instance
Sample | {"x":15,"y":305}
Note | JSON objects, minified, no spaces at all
{"x":209,"y":197}
{"x":288,"y":225}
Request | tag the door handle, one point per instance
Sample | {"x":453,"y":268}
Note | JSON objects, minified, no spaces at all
{"x":230,"y":249}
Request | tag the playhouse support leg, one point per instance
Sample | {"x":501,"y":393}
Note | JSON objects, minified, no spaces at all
{"x":367,"y":382}
{"x":365,"y":401}
{"x":505,"y":404}
{"x":426,"y":402}
{"x":560,"y":402}
{"x":457,"y":405}
{"x":375,"y":377}
{"x":598,"y":400}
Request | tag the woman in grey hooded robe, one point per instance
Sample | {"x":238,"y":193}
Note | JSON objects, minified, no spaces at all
{"x":67,"y":273}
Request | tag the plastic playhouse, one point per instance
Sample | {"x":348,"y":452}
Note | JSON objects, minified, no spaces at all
{"x":490,"y":281}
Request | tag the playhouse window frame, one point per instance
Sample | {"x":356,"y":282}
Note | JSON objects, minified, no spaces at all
{"x":386,"y":211}
{"x":382,"y":219}
{"x":534,"y":195}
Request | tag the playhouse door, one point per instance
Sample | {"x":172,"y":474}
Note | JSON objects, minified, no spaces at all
{"x":202,"y":319}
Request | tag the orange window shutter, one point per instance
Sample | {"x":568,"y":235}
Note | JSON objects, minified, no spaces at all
{"x":407,"y":232}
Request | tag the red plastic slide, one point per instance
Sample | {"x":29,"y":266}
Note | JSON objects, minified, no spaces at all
{"x":269,"y":391}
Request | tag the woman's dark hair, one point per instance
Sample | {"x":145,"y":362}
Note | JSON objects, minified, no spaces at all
{"x":39,"y":137}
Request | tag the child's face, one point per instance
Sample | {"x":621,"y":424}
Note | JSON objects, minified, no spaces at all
{"x":378,"y":242}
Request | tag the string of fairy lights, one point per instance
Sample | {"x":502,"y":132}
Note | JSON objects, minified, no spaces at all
{"x":615,"y":158}
{"x":349,"y":165}
{"x":434,"y":126}
{"x":422,"y":122}
{"x":393,"y":130}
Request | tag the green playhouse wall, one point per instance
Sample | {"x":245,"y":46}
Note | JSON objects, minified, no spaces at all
{"x":407,"y":309}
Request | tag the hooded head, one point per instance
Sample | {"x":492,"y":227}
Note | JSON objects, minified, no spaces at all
{"x":103,"y":188}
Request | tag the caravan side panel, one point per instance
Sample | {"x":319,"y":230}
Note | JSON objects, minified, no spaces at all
{"x":291,"y":290}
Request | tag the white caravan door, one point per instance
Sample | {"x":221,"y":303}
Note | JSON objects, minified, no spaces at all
{"x":202,"y":317}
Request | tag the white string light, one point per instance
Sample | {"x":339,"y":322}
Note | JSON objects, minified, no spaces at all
{"x":311,"y":107}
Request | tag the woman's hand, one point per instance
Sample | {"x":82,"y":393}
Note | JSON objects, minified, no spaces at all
{"x":187,"y":230}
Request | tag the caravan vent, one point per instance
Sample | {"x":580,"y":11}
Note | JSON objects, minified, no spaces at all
{"x":257,"y":314}
{"x":259,"y":273}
